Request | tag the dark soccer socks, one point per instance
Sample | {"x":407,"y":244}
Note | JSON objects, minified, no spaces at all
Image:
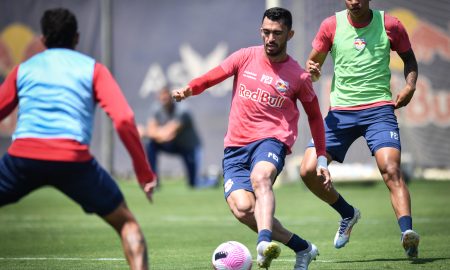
{"x":264,"y":235}
{"x":405,"y":223}
{"x":297,"y":244}
{"x":343,"y":208}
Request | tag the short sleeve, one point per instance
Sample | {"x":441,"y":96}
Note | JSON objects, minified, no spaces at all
{"x":323,"y":40}
{"x":397,"y":34}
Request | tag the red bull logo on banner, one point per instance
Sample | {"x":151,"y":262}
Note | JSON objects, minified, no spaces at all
{"x":431,"y":45}
{"x":428,"y":41}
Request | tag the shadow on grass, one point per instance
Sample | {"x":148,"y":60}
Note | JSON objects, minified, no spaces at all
{"x":415,"y":261}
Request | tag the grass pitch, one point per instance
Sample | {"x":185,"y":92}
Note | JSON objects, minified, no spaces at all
{"x":183,"y":227}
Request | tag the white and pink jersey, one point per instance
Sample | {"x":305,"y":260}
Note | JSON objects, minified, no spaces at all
{"x":265,"y":94}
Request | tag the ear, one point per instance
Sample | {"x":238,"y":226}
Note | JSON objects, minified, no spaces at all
{"x":291,"y":34}
{"x":43,"y":40}
{"x":76,"y":39}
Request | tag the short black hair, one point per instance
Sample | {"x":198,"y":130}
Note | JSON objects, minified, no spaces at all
{"x":59,"y":27}
{"x":279,"y":14}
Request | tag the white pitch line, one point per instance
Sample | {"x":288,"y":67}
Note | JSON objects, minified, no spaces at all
{"x":317,"y":260}
{"x":59,"y":259}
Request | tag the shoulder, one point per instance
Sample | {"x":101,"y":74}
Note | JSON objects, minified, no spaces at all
{"x":392,"y":23}
{"x":294,"y":65}
{"x":249,"y":51}
{"x":237,"y":58}
{"x":297,"y":73}
{"x":35,"y":58}
{"x":329,"y":22}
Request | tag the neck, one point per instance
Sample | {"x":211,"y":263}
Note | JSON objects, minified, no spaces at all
{"x":363,"y":18}
{"x":278,"y":58}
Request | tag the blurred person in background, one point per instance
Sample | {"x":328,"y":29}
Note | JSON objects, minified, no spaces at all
{"x":262,"y":128}
{"x":171,"y":129}
{"x":359,"y":40}
{"x":56,"y":92}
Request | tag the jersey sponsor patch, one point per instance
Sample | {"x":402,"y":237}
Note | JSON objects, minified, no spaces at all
{"x":228,"y":184}
{"x":360,"y":43}
{"x":273,"y":156}
{"x":261,"y":96}
{"x":282,"y":86}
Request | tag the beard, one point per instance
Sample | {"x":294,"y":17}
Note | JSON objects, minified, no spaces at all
{"x":274,"y":49}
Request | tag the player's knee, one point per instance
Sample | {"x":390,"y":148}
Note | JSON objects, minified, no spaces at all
{"x":307,"y":171}
{"x":392,"y":171}
{"x":120,"y":217}
{"x":131,"y":229}
{"x":392,"y":175}
{"x":261,"y":181}
{"x":243,"y":211}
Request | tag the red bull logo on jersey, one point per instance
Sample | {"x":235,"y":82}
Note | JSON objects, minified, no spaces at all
{"x":360,"y":43}
{"x":282,"y":86}
{"x":261,"y":96}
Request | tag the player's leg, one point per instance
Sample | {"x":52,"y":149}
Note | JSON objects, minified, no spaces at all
{"x":243,"y":171}
{"x":388,"y":161}
{"x":383,"y":138}
{"x":338,"y":140}
{"x":266,"y":162}
{"x":262,"y":177}
{"x":133,"y":241}
{"x":314,"y":183}
{"x":16,"y":181}
{"x":88,"y":184}
{"x":242,"y":205}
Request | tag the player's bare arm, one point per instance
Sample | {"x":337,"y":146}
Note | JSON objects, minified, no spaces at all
{"x":314,"y":64}
{"x":411,"y":73}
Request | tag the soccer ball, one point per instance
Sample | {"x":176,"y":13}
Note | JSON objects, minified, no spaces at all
{"x":232,"y":255}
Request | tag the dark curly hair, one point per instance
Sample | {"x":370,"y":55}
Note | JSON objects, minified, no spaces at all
{"x":279,"y":14}
{"x":59,"y":27}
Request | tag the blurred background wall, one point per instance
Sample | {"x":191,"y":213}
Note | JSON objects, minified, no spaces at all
{"x":153,"y":43}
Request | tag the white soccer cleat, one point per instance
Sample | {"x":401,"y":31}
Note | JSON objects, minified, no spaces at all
{"x":266,"y":252}
{"x":345,"y":228}
{"x":410,"y":242}
{"x":304,"y":258}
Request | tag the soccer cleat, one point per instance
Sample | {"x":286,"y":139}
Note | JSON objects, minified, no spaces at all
{"x":410,"y":242}
{"x":345,"y":228}
{"x":266,"y":252}
{"x":304,"y":257}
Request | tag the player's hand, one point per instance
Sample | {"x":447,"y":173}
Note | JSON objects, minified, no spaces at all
{"x":404,"y":97}
{"x":314,"y":69}
{"x":325,"y":175}
{"x":149,"y":188}
{"x":323,"y":172}
{"x":182,"y":93}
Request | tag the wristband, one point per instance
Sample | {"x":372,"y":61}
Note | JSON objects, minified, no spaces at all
{"x":322,"y":161}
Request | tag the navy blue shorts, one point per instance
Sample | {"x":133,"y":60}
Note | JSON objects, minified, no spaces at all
{"x":238,"y":162}
{"x":377,"y":125}
{"x":87,"y":183}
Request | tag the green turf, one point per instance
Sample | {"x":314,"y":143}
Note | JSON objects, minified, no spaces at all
{"x":47,"y":231}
